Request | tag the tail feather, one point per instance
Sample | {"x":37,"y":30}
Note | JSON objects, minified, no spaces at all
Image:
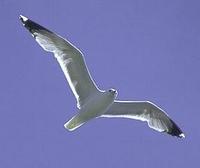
{"x":73,"y":123}
{"x":78,"y":120}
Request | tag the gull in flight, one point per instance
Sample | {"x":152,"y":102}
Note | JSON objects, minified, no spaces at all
{"x":91,"y":101}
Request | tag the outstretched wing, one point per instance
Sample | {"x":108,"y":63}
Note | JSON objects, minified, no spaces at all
{"x":145,"y":111}
{"x":68,"y":56}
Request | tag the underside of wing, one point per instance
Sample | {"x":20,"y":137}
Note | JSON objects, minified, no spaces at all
{"x":145,"y":111}
{"x":68,"y":56}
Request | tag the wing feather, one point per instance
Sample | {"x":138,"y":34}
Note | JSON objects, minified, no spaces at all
{"x":69,"y":57}
{"x":156,"y":118}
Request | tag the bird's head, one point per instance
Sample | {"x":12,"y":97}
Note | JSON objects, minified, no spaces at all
{"x":112,"y":92}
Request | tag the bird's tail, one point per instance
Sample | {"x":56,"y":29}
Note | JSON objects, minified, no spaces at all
{"x":78,"y":120}
{"x":74,"y":123}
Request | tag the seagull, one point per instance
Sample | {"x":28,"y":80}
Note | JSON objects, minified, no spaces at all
{"x":91,"y":101}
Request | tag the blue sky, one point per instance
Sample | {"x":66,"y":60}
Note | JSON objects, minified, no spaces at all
{"x":147,"y":50}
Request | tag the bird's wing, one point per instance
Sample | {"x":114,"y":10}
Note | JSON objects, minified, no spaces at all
{"x":145,"y":111}
{"x":68,"y":56}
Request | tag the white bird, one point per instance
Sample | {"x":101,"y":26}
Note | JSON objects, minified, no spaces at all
{"x":91,"y":101}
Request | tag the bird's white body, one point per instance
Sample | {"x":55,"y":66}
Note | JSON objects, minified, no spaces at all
{"x":93,"y":108}
{"x":91,"y":101}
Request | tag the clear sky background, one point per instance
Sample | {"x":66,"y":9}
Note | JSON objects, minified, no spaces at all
{"x":146,"y":49}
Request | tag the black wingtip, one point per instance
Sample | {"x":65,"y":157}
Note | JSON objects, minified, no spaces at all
{"x":176,"y":131}
{"x":30,"y":25}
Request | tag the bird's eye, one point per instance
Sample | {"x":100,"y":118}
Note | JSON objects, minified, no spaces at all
{"x":110,"y":90}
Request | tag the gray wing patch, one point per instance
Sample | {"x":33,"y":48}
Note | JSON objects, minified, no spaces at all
{"x":156,"y":118}
{"x":70,"y":59}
